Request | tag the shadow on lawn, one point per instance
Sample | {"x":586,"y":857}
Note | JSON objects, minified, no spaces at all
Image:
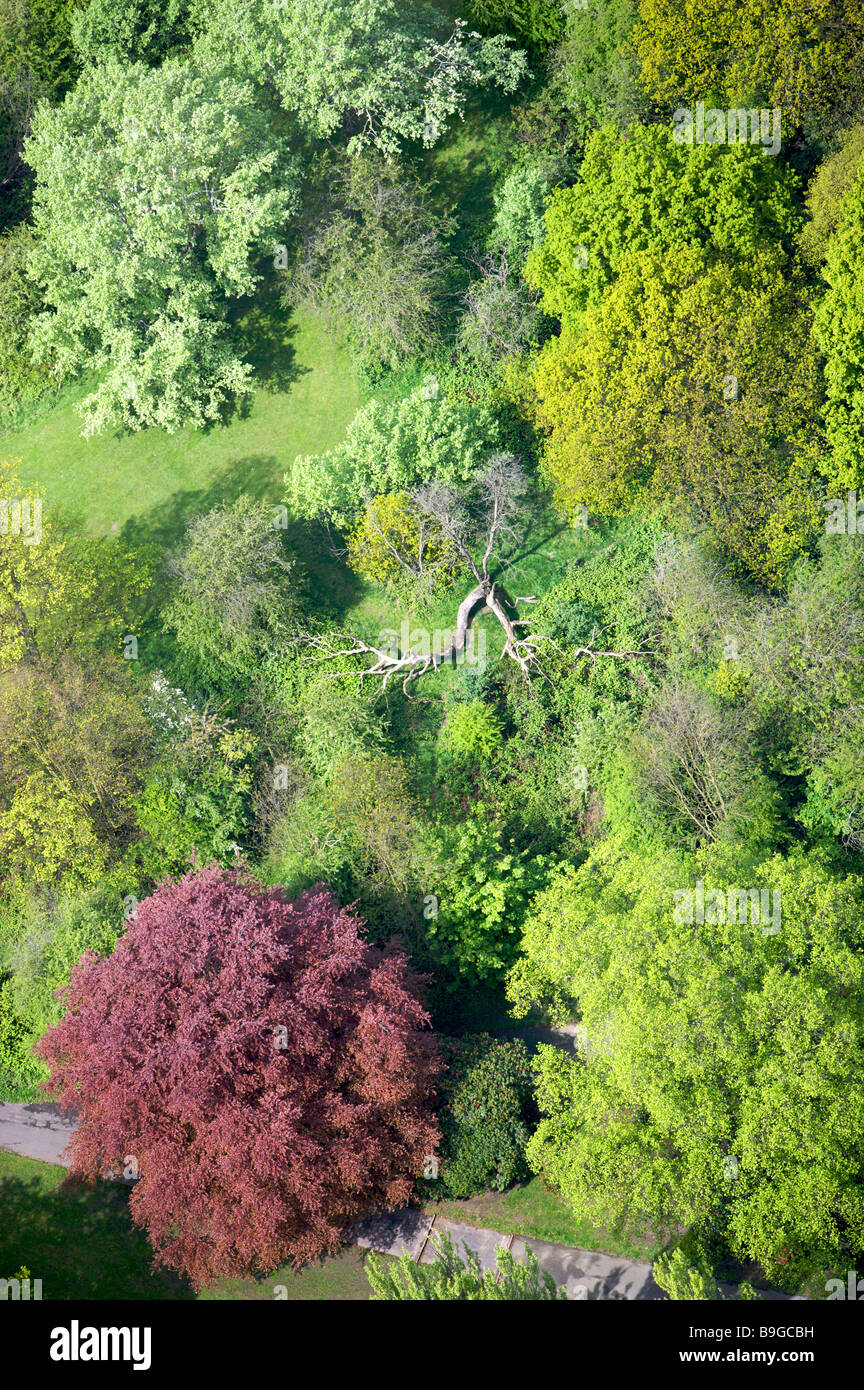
{"x":80,"y":1241}
{"x":263,"y":332}
{"x":165,"y":524}
{"x":330,"y":588}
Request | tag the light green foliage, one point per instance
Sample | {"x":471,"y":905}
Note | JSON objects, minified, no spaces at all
{"x":595,"y":72}
{"x":483,"y":888}
{"x":808,"y":698}
{"x":726,"y":197}
{"x":146,"y":30}
{"x":457,"y":1280}
{"x":472,"y":733}
{"x":750,"y":691}
{"x":718,"y":1075}
{"x":391,"y":447}
{"x":337,"y":721}
{"x":304,"y":848}
{"x":383,"y":73}
{"x":668,"y":393}
{"x":563,"y":732}
{"x":520,"y":206}
{"x":42,"y":936}
{"x":396,"y":544}
{"x":237,"y":589}
{"x":372,"y":813}
{"x":156,"y":191}
{"x":46,"y":833}
{"x":840,"y":333}
{"x":831,"y":182}
{"x":357,"y":827}
{"x":501,"y":319}
{"x":683,"y":1280}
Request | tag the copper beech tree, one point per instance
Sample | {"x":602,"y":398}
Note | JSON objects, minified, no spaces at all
{"x":262,"y":1069}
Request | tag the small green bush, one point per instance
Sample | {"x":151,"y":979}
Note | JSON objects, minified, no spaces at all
{"x":42,"y":936}
{"x":486,"y":1108}
{"x":472,"y":732}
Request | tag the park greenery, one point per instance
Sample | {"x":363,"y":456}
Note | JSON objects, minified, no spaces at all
{"x":432,"y":610}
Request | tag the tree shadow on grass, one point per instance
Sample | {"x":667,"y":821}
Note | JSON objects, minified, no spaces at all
{"x":263,"y":332}
{"x":329,"y":587}
{"x":80,"y":1241}
{"x":256,"y":475}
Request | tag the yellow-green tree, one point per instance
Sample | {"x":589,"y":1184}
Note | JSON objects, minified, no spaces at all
{"x":393,"y":539}
{"x":808,"y":60}
{"x":693,"y":382}
{"x":57,"y":588}
{"x":840,"y":332}
{"x":639,"y":190}
{"x":74,"y":753}
{"x":718,"y":1073}
{"x":826,"y":194}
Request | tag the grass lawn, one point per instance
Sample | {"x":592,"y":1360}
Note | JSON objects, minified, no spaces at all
{"x":530,"y":1210}
{"x":307,"y":395}
{"x":81,"y":1243}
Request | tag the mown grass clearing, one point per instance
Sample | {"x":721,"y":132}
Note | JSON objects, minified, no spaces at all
{"x":532,"y":1210}
{"x":154,"y":481}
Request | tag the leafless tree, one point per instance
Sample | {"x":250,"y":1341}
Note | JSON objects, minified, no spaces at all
{"x":694,"y":759}
{"x":501,"y":314}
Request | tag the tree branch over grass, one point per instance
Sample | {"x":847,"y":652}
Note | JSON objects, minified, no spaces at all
{"x":476,"y":522}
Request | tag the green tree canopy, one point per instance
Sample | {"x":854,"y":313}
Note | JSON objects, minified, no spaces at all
{"x":595,"y":71}
{"x":35,"y":37}
{"x":375,"y":264}
{"x":719,"y":1073}
{"x":59,"y":590}
{"x":831,"y":182}
{"x":391,"y":447}
{"x":641,"y":191}
{"x":806,"y":59}
{"x":236,"y":593}
{"x":156,"y":191}
{"x":840,"y":333}
{"x":146,"y":30}
{"x":670,"y":392}
{"x":382,"y":72}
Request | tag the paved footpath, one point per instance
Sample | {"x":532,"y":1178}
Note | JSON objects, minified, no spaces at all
{"x":38,"y":1130}
{"x":587,"y":1274}
{"x":35,"y":1130}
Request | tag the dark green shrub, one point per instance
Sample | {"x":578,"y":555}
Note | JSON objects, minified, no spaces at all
{"x":20,"y":379}
{"x":485,"y":1114}
{"x":535,"y":23}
